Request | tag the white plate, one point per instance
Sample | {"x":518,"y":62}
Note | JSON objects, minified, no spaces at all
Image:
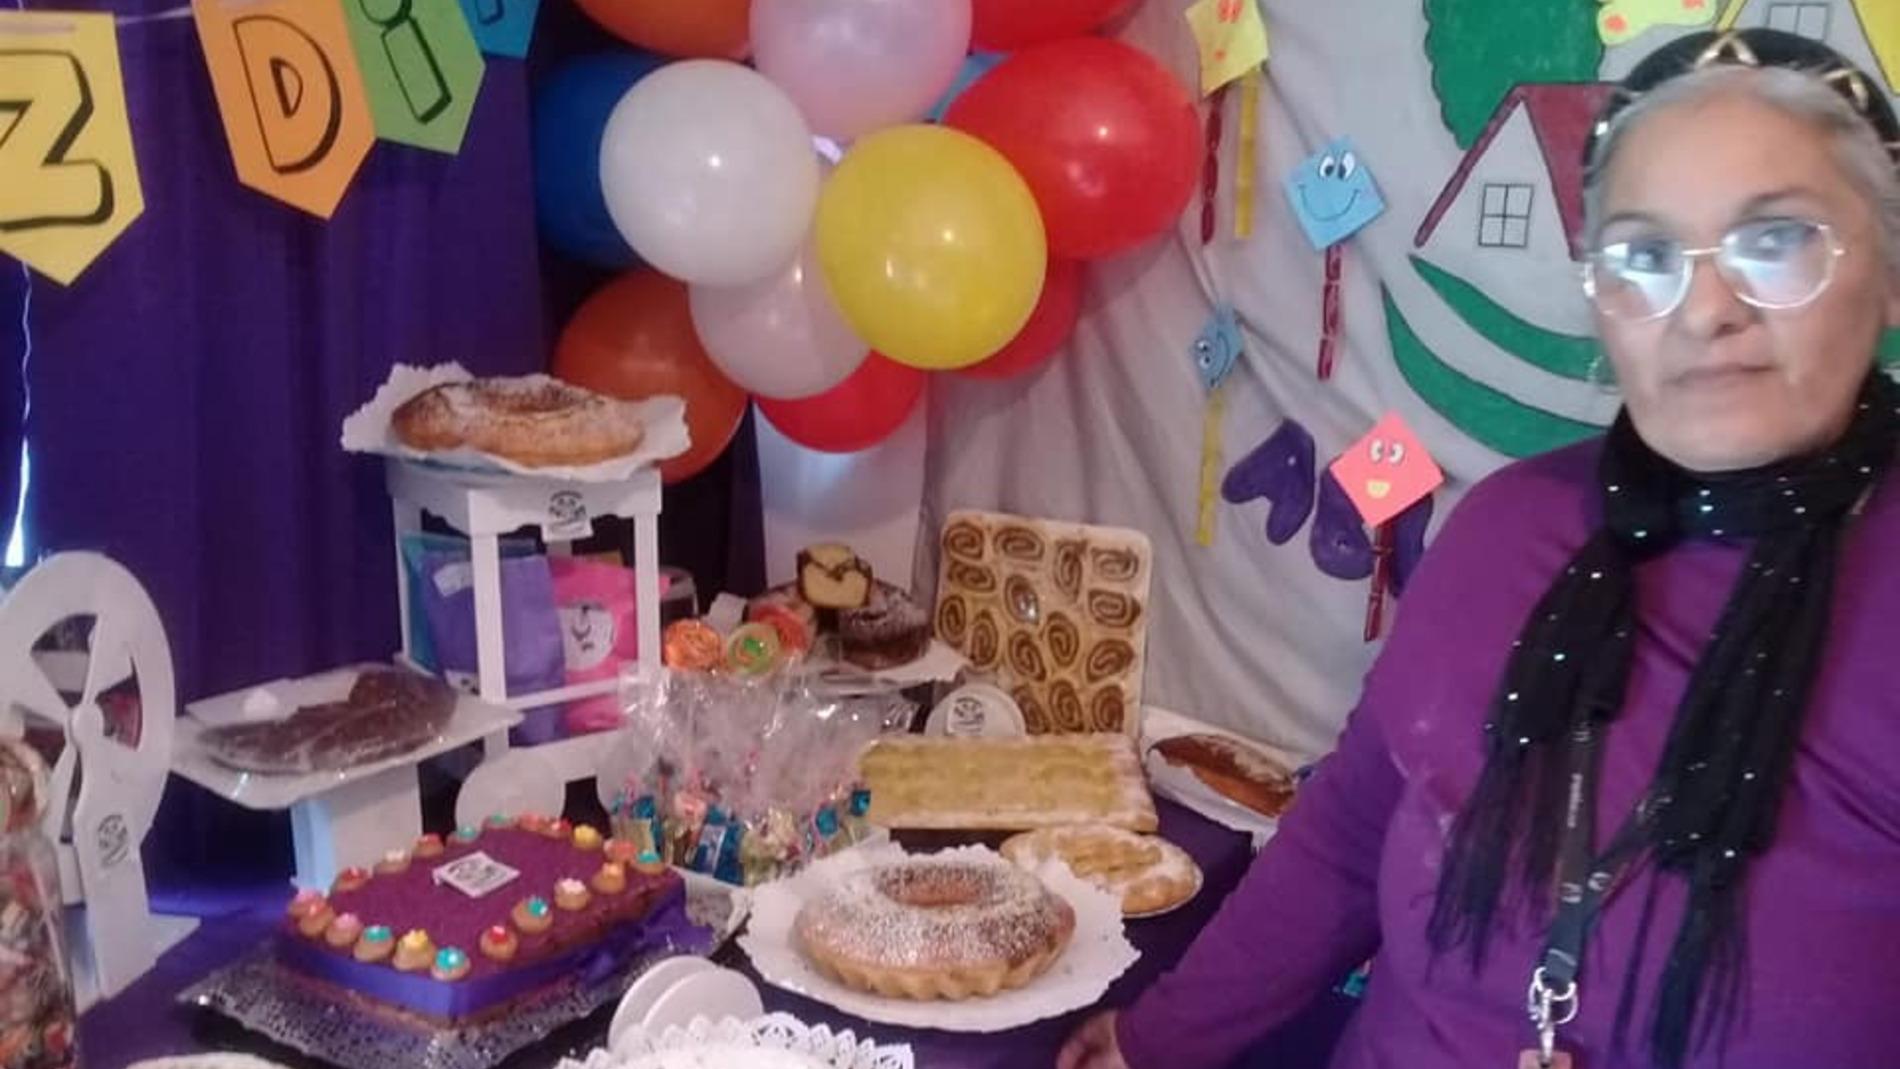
{"x":471,"y":720}
{"x":712,"y":995}
{"x":976,"y":709}
{"x":1097,"y":953}
{"x":646,"y":991}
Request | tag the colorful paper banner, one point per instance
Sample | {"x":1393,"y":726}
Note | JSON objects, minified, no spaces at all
{"x":290,"y":95}
{"x":421,"y":69}
{"x":502,"y":27}
{"x":69,"y":185}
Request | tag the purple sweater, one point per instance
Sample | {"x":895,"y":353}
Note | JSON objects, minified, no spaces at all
{"x":1354,"y":866}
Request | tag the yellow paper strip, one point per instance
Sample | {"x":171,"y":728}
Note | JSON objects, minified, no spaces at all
{"x":1244,"y":154}
{"x":1210,"y":465}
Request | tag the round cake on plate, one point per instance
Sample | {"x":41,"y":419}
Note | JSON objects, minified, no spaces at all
{"x":928,"y":929}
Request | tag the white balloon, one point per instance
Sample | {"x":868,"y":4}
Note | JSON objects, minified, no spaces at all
{"x":708,"y":171}
{"x":780,"y":337}
{"x":854,"y":66}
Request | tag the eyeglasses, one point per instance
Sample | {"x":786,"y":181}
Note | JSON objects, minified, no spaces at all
{"x":1774,"y":264}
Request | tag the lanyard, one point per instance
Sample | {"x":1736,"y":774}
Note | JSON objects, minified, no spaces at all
{"x":1584,"y":884}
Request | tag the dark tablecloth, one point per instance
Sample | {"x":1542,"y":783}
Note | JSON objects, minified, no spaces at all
{"x":145,"y":1021}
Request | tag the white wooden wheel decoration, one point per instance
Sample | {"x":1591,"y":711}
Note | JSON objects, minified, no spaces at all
{"x":99,"y":833}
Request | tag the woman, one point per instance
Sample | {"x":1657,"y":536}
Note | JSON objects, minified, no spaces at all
{"x":1634,"y":748}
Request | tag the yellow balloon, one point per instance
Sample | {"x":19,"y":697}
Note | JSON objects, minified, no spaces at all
{"x":932,"y":246}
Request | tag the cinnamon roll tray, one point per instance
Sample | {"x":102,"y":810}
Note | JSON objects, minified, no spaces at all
{"x":1057,"y":612}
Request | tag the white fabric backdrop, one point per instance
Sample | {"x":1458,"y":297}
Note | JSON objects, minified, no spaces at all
{"x":1246,"y":634}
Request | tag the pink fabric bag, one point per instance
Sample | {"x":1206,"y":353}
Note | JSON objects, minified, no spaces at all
{"x":599,"y":633}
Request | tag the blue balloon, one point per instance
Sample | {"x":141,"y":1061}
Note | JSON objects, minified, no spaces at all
{"x":975,"y":66}
{"x":570,"y":113}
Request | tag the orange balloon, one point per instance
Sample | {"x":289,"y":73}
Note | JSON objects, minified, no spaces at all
{"x":634,"y":339}
{"x":715,"y":29}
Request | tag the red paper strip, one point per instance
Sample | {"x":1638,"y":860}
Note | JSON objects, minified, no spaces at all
{"x":1330,"y":310}
{"x":1384,"y":542}
{"x":1210,"y":165}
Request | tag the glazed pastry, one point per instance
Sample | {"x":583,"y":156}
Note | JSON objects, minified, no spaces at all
{"x":1001,"y":783}
{"x":925,"y":929}
{"x":393,"y":862}
{"x":610,"y":880}
{"x":450,"y":965}
{"x":534,"y":420}
{"x":427,"y":846}
{"x":833,"y":577}
{"x":387,"y":713}
{"x":571,"y":894}
{"x":649,"y":863}
{"x":344,"y":931}
{"x":692,"y":646}
{"x":891,"y":629}
{"x":377,"y":944}
{"x":415,"y":951}
{"x":1232,"y":768}
{"x":620,"y":851}
{"x":1147,"y":873}
{"x":500,"y":943}
{"x":467,"y":833}
{"x":587,"y":837}
{"x":532,"y":915}
{"x":349,"y":880}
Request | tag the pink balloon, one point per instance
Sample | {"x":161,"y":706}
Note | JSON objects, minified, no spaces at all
{"x":781,"y":337}
{"x":853,"y":66}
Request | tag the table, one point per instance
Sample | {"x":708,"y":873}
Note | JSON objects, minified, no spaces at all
{"x":144,"y":1021}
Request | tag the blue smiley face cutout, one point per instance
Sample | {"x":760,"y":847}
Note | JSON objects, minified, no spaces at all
{"x":1333,"y":195}
{"x":1217,"y":347}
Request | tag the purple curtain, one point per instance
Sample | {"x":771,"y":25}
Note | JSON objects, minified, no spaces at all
{"x":188,"y":388}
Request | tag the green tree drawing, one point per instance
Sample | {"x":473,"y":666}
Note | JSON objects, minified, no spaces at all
{"x":1480,"y":49}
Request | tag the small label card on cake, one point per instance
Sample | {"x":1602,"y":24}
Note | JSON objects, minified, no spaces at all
{"x":474,"y":875}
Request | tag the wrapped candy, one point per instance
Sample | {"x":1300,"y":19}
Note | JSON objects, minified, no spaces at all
{"x":742,"y":777}
{"x":37,"y":1011}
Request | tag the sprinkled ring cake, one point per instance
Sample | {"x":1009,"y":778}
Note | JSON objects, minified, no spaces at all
{"x":925,"y":929}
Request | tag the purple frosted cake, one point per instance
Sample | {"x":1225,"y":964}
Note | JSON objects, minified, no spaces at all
{"x":494,"y":915}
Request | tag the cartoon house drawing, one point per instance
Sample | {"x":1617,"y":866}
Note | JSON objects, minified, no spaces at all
{"x":1865,"y":31}
{"x":1508,"y":220}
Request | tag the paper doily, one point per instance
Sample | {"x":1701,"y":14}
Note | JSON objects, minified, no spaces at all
{"x":728,"y":1042}
{"x":1097,"y":954}
{"x":367,"y":431}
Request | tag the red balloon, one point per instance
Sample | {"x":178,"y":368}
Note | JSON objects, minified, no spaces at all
{"x":1008,"y":25}
{"x":1103,"y":134}
{"x":634,"y":339}
{"x":718,"y":29}
{"x":1048,"y":327}
{"x":858,"y":413}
